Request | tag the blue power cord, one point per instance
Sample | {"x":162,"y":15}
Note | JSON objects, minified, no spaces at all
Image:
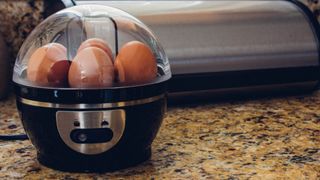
{"x":15,"y":137}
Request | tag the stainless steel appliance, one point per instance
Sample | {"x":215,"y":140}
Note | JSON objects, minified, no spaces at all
{"x":233,"y":46}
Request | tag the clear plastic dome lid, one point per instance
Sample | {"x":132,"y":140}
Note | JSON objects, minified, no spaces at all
{"x":91,"y":46}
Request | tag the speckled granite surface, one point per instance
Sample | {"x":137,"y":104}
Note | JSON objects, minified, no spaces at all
{"x":17,"y":20}
{"x":275,"y":138}
{"x":263,"y":139}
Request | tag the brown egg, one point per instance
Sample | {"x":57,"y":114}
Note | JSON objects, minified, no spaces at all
{"x":135,"y":64}
{"x":96,"y":42}
{"x":91,"y":68}
{"x":58,"y":74}
{"x":43,"y":60}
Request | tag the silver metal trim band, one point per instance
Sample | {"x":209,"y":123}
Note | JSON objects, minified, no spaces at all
{"x":90,"y":106}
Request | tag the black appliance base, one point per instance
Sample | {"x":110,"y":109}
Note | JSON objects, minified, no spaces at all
{"x":96,"y":166}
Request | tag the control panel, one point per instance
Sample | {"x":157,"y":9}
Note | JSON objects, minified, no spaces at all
{"x":91,"y":132}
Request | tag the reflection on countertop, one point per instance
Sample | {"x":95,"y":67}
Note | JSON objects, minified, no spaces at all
{"x":266,"y":138}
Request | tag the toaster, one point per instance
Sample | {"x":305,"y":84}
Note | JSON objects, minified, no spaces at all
{"x":232,"y":47}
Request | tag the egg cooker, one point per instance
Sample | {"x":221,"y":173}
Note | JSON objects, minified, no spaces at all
{"x":83,"y":128}
{"x":214,"y":47}
{"x":224,"y":47}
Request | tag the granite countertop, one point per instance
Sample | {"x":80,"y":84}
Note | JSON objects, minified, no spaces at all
{"x":275,"y":138}
{"x":17,"y":20}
